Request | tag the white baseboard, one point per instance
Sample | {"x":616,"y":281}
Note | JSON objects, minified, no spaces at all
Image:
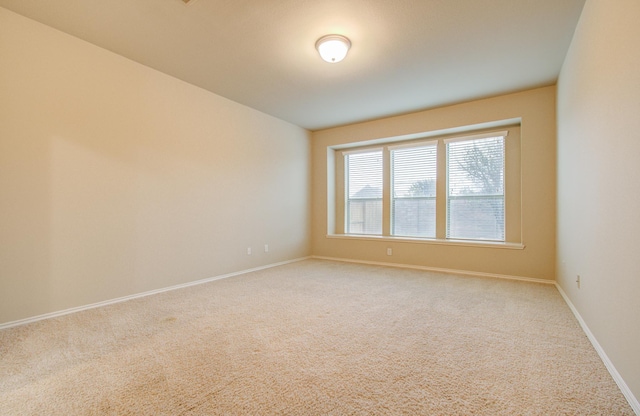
{"x":626,"y":391}
{"x":140,"y":295}
{"x":439,"y":270}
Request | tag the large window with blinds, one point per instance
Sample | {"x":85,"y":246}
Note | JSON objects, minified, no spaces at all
{"x":450,"y":188}
{"x":475,"y":188}
{"x":413,"y":190}
{"x":364,"y":192}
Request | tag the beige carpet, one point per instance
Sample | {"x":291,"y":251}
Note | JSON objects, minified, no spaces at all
{"x":314,"y":338}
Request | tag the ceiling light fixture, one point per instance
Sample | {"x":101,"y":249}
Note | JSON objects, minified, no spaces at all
{"x":333,"y":48}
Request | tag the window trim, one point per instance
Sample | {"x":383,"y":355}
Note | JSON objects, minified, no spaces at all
{"x":487,"y":135}
{"x":411,"y":144}
{"x":436,"y":241}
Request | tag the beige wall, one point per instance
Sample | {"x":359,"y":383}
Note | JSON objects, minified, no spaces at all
{"x":536,"y":110}
{"x":599,"y":179}
{"x":116,"y":179}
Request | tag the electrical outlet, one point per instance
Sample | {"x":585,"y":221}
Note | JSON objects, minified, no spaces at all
{"x":266,"y":248}
{"x":249,"y":250}
{"x":578,"y":281}
{"x":389,"y":252}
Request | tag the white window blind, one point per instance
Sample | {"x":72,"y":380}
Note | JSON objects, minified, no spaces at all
{"x":475,"y":189}
{"x":413,"y":196}
{"x":364,"y":192}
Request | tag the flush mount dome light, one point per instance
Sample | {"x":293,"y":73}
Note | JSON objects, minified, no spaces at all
{"x":333,"y":48}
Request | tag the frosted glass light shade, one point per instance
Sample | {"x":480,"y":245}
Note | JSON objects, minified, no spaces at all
{"x":333,"y":48}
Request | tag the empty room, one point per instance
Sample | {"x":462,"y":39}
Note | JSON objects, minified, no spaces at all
{"x":324,"y":207}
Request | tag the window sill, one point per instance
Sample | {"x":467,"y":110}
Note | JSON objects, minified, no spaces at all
{"x":462,"y":243}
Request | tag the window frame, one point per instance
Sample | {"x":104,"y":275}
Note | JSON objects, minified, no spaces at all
{"x":512,"y":183}
{"x":347,"y":198}
{"x":502,"y":196}
{"x":407,"y":146}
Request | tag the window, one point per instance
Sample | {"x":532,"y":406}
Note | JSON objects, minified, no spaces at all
{"x":475,"y":189}
{"x":413,"y":195}
{"x":442,"y":189}
{"x":364,"y":192}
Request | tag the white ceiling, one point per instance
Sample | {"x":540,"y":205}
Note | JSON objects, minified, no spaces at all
{"x":407,"y":55}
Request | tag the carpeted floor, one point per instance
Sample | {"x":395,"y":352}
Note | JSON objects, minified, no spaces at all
{"x":314,"y":338}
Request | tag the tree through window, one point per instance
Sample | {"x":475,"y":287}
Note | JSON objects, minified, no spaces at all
{"x":475,"y":189}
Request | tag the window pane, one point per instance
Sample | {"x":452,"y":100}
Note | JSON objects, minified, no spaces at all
{"x":475,"y":189}
{"x":364,"y":192}
{"x":414,"y":217}
{"x":365,"y":216}
{"x":413,"y":205}
{"x":480,"y":218}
